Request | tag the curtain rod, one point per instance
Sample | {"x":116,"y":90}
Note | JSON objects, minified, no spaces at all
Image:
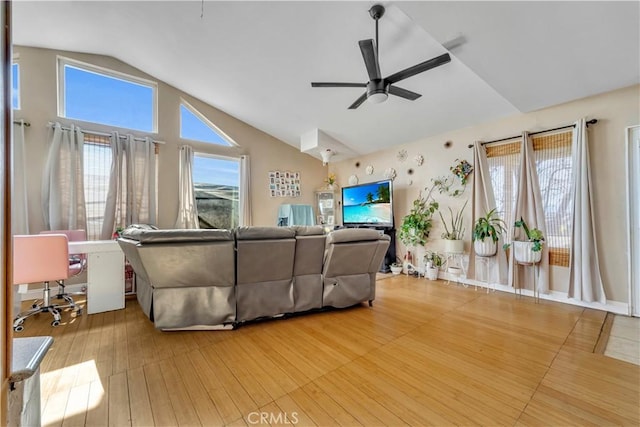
{"x":22,"y":122}
{"x":95,"y":132}
{"x":590,"y":122}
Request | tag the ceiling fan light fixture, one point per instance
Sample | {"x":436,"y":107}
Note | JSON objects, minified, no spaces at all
{"x":377,"y":97}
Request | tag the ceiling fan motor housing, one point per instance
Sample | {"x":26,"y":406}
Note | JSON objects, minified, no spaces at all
{"x":377,"y":90}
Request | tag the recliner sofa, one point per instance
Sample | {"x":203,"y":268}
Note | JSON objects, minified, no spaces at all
{"x":212,"y":279}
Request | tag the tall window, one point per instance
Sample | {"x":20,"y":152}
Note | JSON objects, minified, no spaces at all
{"x":216,"y":183}
{"x":553,"y":165}
{"x":97,"y":169}
{"x":194,"y":126}
{"x":94,"y":94}
{"x":15,"y":86}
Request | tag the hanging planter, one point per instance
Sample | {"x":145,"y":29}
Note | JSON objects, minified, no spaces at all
{"x":485,"y":248}
{"x":523,"y":253}
{"x":454,"y":246}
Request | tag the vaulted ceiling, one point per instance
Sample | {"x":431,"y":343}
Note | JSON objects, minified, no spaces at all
{"x":255,"y":60}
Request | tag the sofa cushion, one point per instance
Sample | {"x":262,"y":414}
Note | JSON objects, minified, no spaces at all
{"x":264,"y":233}
{"x":308,"y":230}
{"x":353,"y":235}
{"x":176,"y":235}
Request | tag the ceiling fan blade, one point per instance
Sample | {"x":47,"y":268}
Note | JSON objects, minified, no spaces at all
{"x":358,"y":102}
{"x":368,"y":48}
{"x":322,"y":84}
{"x":403,"y":93}
{"x":419,"y":68}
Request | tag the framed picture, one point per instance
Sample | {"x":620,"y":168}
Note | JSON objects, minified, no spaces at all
{"x":284,"y":184}
{"x":330,"y":219}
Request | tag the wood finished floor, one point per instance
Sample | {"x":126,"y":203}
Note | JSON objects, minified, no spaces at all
{"x":426,"y":353}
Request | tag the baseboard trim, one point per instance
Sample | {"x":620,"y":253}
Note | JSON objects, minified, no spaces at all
{"x":616,"y":307}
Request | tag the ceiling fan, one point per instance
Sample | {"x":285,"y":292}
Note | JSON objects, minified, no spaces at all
{"x":378,"y":88}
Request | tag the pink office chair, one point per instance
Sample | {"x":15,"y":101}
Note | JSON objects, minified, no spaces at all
{"x":40,"y":258}
{"x":77,"y":264}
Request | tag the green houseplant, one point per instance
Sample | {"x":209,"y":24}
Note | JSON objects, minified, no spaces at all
{"x":486,"y":233}
{"x":433,"y":261}
{"x":530,"y":250}
{"x":453,"y":230}
{"x":416,"y":226}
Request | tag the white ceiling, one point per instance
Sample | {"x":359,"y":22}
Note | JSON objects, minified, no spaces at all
{"x":255,"y":60}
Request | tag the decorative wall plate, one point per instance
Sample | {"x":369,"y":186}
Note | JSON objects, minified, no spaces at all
{"x":369,"y":170}
{"x":390,"y":174}
{"x":353,"y":180}
{"x":402,"y":155}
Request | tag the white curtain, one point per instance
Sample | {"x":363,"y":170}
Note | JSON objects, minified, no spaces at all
{"x":63,"y":205}
{"x":529,"y":207}
{"x":19,"y":202}
{"x":245,"y":191}
{"x":585,"y":281}
{"x":187,"y":211}
{"x":483,"y":201}
{"x":131,"y":198}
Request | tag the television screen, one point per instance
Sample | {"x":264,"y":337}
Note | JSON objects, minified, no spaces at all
{"x":368,"y":204}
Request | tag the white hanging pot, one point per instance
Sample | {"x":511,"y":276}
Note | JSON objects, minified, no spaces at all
{"x":454,"y":246}
{"x":486,"y":247}
{"x":432,"y":273}
{"x":523,"y":253}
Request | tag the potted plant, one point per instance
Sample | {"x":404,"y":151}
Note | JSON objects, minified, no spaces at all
{"x":486,"y":233}
{"x":417,"y":224}
{"x":529,"y":251}
{"x":433,"y":261}
{"x":396,"y":267}
{"x":453,"y":236}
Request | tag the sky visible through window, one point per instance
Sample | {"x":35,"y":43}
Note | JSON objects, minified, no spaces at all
{"x":192,"y":127}
{"x":15,"y":86}
{"x":99,"y":98}
{"x":209,"y":170}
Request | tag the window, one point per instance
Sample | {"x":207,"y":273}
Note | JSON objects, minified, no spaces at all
{"x":15,"y":86}
{"x":553,"y":165}
{"x":97,"y":169}
{"x":216,"y":183}
{"x":194,"y":126}
{"x":97,"y":95}
{"x":97,"y":172}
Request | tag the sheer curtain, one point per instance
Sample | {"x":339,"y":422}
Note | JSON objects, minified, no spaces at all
{"x":131,"y":198}
{"x":63,"y":205}
{"x":483,"y":201}
{"x":187,"y":211}
{"x":245,"y":191}
{"x":529,"y":207}
{"x":585,"y":281}
{"x":19,"y":202}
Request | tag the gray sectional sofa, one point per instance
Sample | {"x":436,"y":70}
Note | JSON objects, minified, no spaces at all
{"x":212,"y":279}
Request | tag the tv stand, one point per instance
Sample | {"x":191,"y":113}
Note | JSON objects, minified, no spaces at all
{"x":390,"y":256}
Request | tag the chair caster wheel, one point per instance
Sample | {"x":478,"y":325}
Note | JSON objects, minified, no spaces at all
{"x":55,"y":323}
{"x":79,"y":312}
{"x":18,"y":328}
{"x":34,"y":305}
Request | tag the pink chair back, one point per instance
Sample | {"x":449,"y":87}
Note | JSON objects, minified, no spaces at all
{"x":72,"y":235}
{"x":40,"y":258}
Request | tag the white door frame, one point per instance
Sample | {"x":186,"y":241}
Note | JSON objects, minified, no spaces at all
{"x":633,"y":217}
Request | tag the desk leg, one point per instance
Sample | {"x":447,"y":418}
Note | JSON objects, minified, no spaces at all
{"x":105,"y":282}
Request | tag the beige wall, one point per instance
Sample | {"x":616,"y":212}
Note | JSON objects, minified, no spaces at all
{"x":614,"y":111}
{"x":39,"y":106}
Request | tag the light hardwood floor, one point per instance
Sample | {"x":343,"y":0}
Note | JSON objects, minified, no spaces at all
{"x":426,"y":353}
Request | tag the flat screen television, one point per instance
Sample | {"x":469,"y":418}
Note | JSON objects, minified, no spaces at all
{"x":369,"y":204}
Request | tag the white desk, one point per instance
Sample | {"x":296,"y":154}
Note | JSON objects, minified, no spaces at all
{"x":105,"y":274}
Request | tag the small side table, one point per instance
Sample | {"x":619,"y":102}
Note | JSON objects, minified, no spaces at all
{"x":485,"y":261}
{"x":455,"y":260}
{"x":535,"y":269}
